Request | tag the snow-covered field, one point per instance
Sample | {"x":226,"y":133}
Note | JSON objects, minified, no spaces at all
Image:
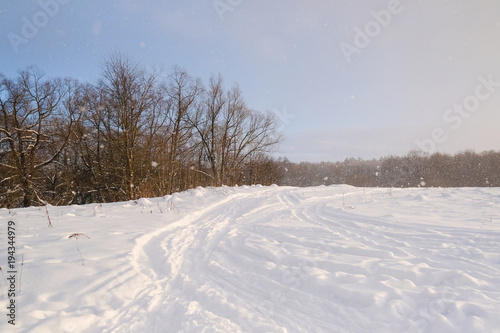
{"x":260,"y":259}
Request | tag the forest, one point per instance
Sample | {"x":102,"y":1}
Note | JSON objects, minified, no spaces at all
{"x":140,"y":134}
{"x":416,"y":169}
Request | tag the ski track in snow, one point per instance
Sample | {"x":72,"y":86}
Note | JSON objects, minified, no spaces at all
{"x":266,"y":259}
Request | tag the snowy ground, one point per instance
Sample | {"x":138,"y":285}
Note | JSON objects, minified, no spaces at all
{"x":260,"y":259}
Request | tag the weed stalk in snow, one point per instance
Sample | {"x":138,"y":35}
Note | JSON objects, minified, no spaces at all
{"x":170,"y":205}
{"x":75,"y":236}
{"x":158,"y":204}
{"x":392,"y":216}
{"x":95,"y":209}
{"x":48,"y":216}
{"x":83,"y":262}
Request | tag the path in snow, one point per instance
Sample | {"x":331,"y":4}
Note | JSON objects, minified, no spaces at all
{"x":272,"y":259}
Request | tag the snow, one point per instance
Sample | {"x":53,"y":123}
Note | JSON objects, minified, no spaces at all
{"x":261,"y":259}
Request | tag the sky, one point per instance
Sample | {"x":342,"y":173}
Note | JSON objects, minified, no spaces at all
{"x":362,"y":79}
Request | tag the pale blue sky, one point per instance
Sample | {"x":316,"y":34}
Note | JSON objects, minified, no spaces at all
{"x":287,"y":57}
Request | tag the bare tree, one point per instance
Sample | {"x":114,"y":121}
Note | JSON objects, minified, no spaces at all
{"x":130,"y":95}
{"x":31,"y":109}
{"x":183,"y":93}
{"x":230,"y":133}
{"x":127,"y":135}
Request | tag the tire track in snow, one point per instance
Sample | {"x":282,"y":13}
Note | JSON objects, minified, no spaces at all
{"x":301,"y":260}
{"x":170,"y":257}
{"x":411,"y":268}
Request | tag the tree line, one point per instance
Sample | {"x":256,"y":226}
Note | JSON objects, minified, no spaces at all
{"x":140,"y":134}
{"x":416,"y":169}
{"x":132,"y":134}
